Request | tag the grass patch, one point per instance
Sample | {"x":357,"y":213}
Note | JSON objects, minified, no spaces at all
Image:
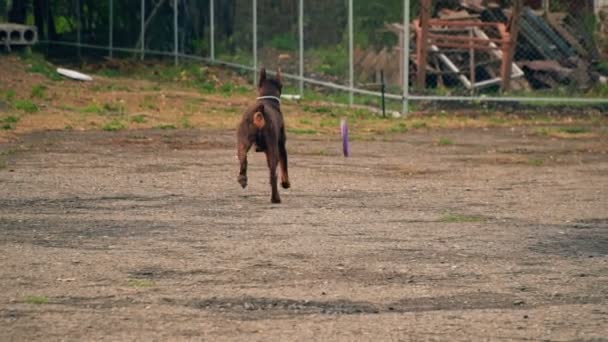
{"x":458,"y":218}
{"x":38,"y":91}
{"x":401,"y":127}
{"x":38,"y":65}
{"x":109,"y":73}
{"x":92,"y":109}
{"x":26,"y":106}
{"x":185,"y":122}
{"x":140,"y":283}
{"x":302,"y":131}
{"x":419,"y":124}
{"x":574,"y":130}
{"x":10,"y":95}
{"x":138,"y":119}
{"x":113,"y":126}
{"x":10,"y":119}
{"x":8,"y":122}
{"x":536,"y":161}
{"x":114,"y":107}
{"x":305,"y":121}
{"x":443,"y":141}
{"x":166,"y":126}
{"x":36,"y":300}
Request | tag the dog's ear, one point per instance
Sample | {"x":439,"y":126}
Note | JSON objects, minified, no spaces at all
{"x":262,"y":77}
{"x":279,"y":76}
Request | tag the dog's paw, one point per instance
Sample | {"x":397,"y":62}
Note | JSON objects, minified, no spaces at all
{"x":286,"y":184}
{"x":275,"y":200}
{"x":243,"y":181}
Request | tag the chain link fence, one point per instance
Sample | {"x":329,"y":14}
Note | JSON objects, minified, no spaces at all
{"x":358,"y":50}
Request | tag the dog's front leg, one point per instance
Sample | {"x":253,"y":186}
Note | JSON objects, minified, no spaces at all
{"x":243,"y":148}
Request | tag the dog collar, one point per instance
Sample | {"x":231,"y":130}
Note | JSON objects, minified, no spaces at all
{"x":270,"y":98}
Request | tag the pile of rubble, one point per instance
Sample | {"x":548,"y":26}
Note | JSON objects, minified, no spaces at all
{"x":468,"y":46}
{"x":552,"y":49}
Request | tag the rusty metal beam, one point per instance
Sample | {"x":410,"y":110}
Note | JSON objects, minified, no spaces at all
{"x":422,"y":43}
{"x":509,"y":48}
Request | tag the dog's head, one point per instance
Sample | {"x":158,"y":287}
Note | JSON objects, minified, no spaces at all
{"x":270,"y":86}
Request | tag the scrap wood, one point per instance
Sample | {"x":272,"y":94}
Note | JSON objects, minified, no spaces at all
{"x":556,"y":20}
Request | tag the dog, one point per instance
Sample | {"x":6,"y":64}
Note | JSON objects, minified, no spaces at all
{"x":262,"y":124}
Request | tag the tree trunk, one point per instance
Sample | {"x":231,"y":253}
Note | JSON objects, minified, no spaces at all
{"x":18,"y":12}
{"x":39,"y":17}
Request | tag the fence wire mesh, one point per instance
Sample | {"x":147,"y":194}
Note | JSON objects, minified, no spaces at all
{"x":560,"y":54}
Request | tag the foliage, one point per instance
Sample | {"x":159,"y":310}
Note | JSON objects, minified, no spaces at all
{"x":26,"y":106}
{"x":284,"y":42}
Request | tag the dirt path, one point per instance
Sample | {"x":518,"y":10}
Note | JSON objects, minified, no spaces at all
{"x":146,"y":235}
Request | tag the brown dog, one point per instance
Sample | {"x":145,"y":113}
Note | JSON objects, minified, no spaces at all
{"x":262,"y":125}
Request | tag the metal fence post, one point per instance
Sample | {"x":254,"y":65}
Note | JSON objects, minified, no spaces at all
{"x":351,"y":68}
{"x":301,"y":39}
{"x":111,"y":31}
{"x":142,"y":37}
{"x":212,"y":30}
{"x":255,"y":42}
{"x":406,"y":56}
{"x":79,"y":28}
{"x":175,"y":38}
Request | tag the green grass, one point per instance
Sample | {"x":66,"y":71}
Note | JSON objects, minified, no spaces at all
{"x":185,"y":122}
{"x":459,"y":218}
{"x":10,"y":95}
{"x":302,"y":131}
{"x":38,"y":91}
{"x":305,"y":121}
{"x":92,"y":109}
{"x":536,"y":161}
{"x":574,"y":130}
{"x":443,"y":141}
{"x":140,"y":283}
{"x":401,"y":127}
{"x":8,"y":122}
{"x":37,"y":64}
{"x":115,"y":107}
{"x":419,"y":124}
{"x":113,"y":126}
{"x":166,"y":126}
{"x":36,"y":300}
{"x":10,"y":119}
{"x":109,"y":73}
{"x":138,"y":119}
{"x":26,"y":106}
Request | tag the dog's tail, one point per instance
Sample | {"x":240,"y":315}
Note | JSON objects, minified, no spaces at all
{"x":258,"y":117}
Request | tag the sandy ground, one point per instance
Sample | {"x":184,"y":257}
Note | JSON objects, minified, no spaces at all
{"x":146,"y":235}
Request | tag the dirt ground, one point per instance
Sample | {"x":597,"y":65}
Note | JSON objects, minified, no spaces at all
{"x":145,"y":235}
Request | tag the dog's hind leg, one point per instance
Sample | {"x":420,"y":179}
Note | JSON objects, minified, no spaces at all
{"x":283,"y":164}
{"x":273,"y":160}
{"x":243,"y":148}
